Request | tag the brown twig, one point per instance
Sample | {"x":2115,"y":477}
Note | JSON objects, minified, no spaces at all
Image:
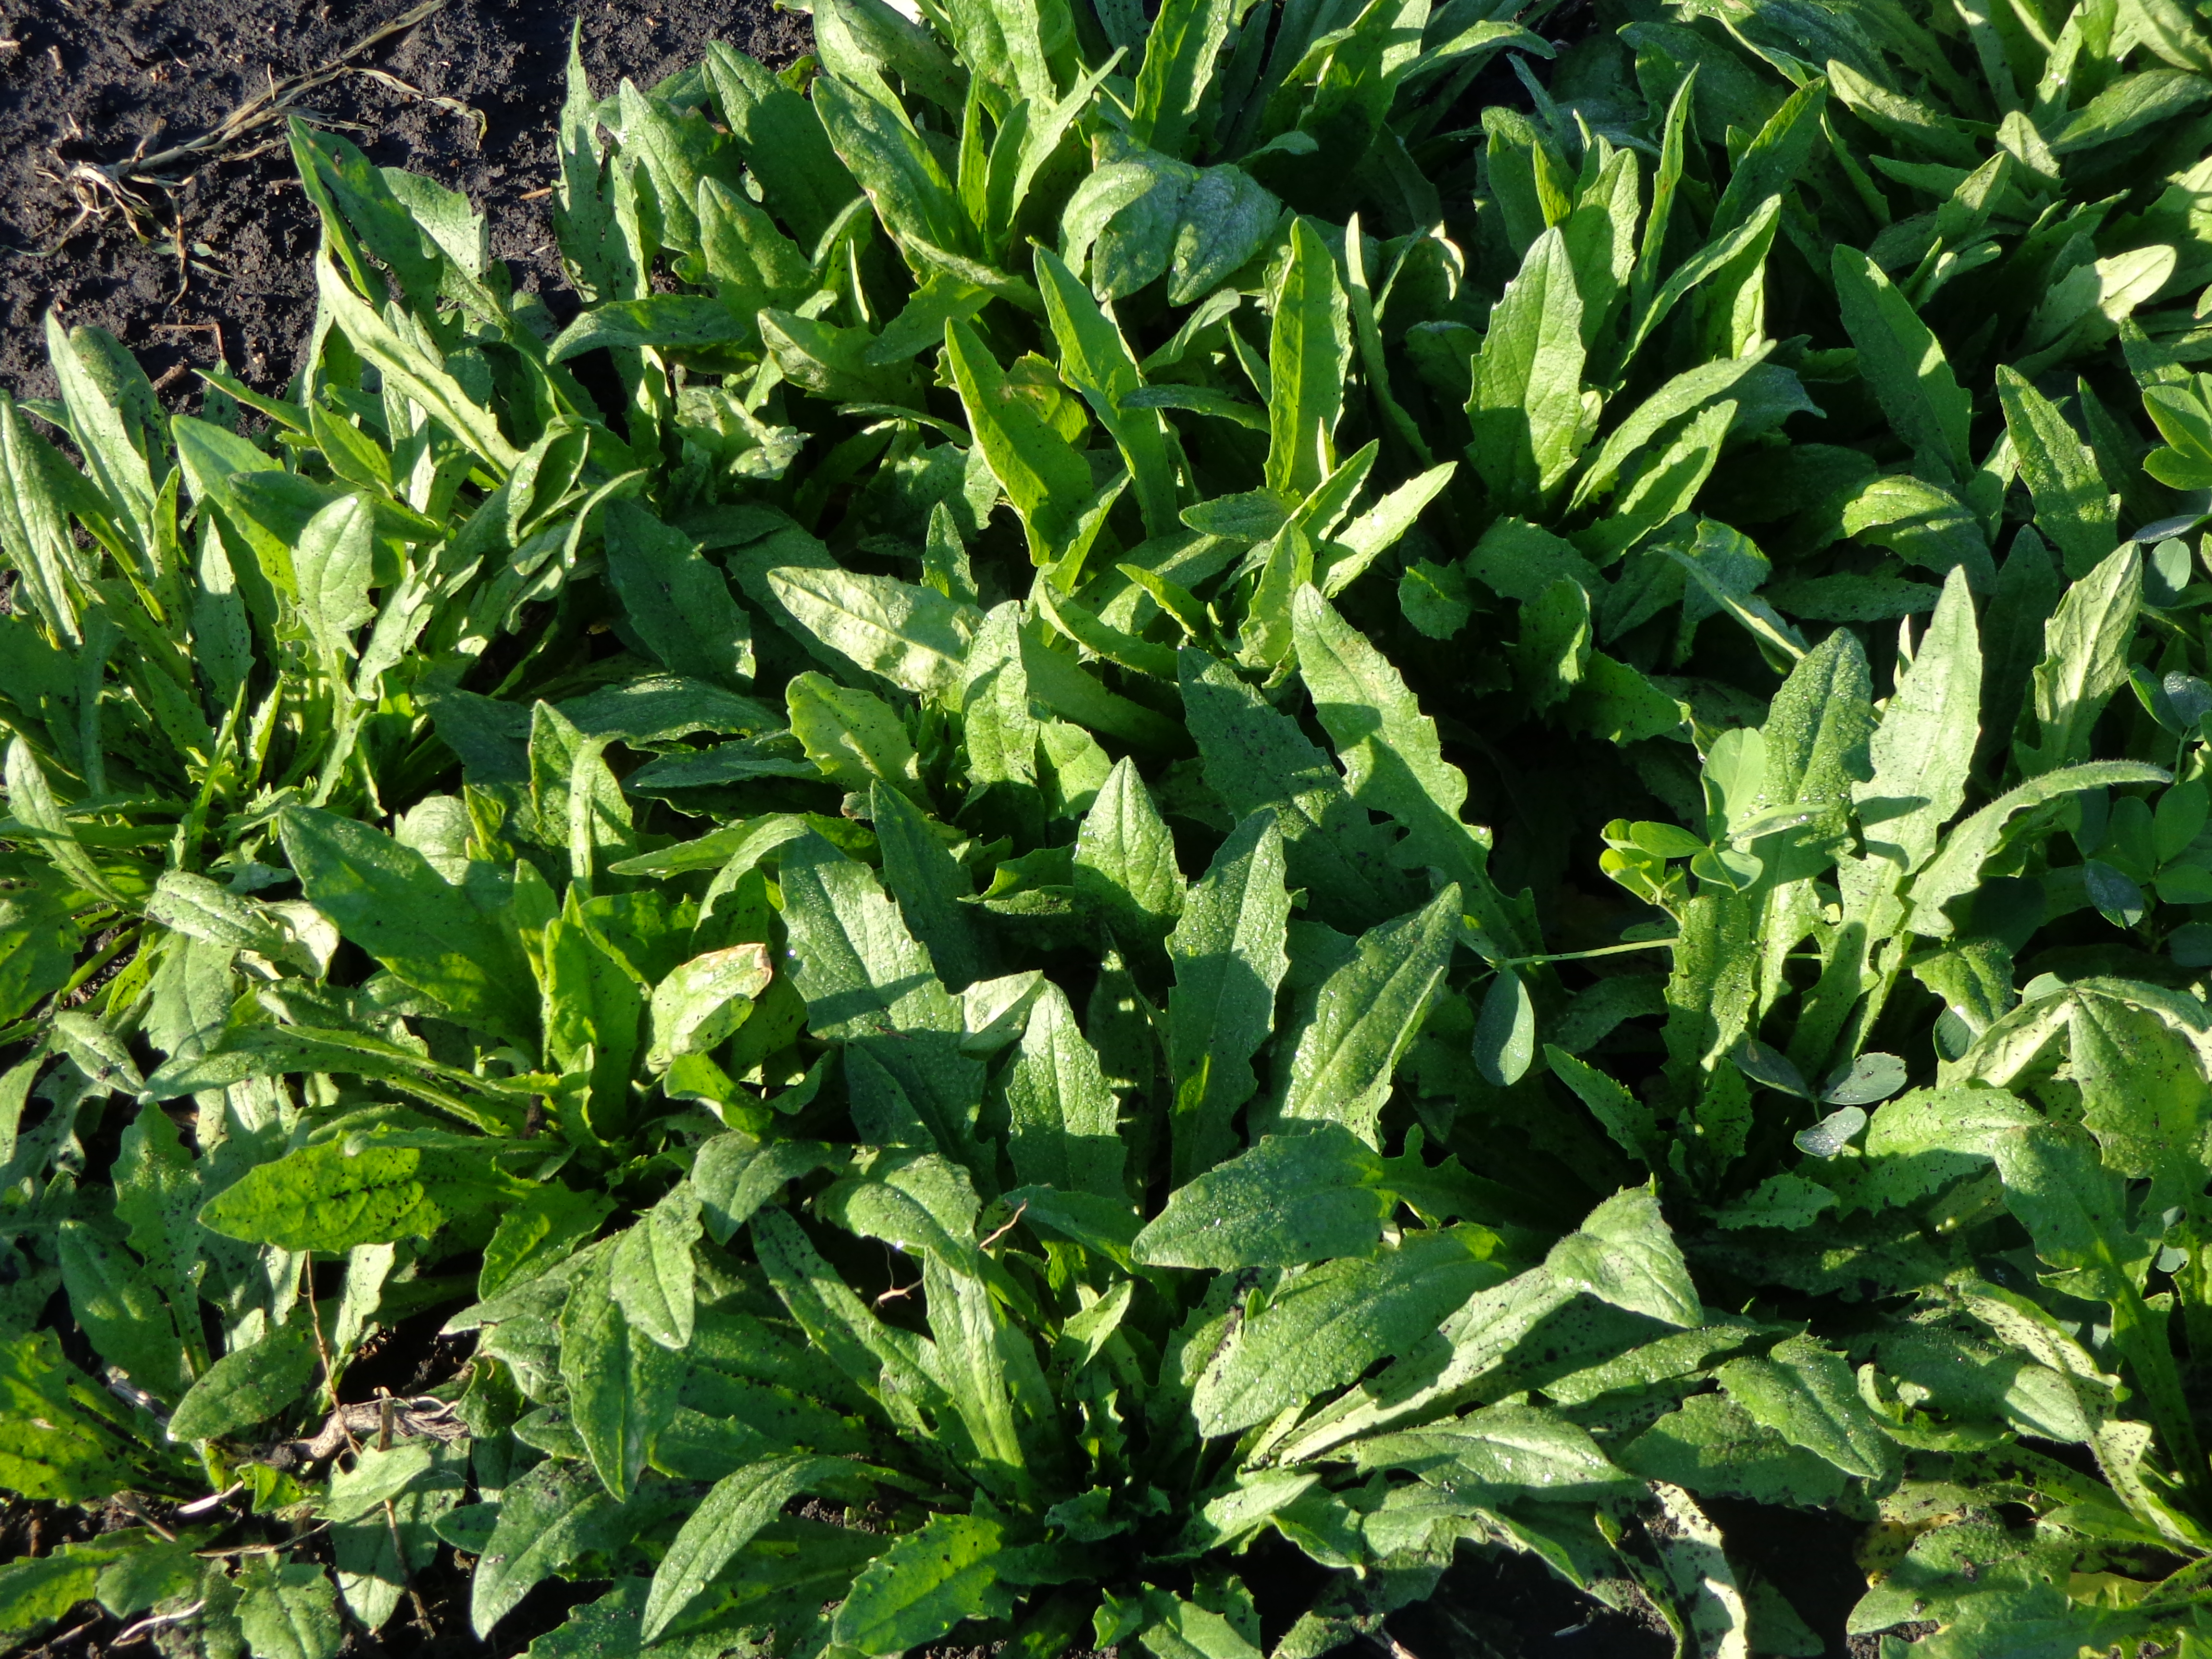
{"x":211,"y":328}
{"x":275,"y":100}
{"x":1008,"y":1228}
{"x":101,"y":188}
{"x":145,"y":1628}
{"x":67,"y":1636}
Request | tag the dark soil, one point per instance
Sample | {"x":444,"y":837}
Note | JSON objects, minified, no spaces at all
{"x":93,"y":80}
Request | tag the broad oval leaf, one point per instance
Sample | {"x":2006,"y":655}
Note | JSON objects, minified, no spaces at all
{"x":1292,"y":1199}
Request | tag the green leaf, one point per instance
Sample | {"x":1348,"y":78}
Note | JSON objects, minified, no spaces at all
{"x":1229,"y":957}
{"x":1256,"y":758}
{"x":36,"y":1590}
{"x":547,"y":1517}
{"x":1063,"y":1129}
{"x":1956,"y":869}
{"x":1184,"y":1630}
{"x":1624,"y":1253}
{"x":2073,"y":507}
{"x":2085,"y":657}
{"x":1923,"y":749}
{"x":1392,"y":758}
{"x":39,"y":817}
{"x":925,"y":1584}
{"x":2144,"y":1093}
{"x":1500,"y":1453}
{"x":885,"y":1363}
{"x":1180,"y":48}
{"x":1527,"y":407}
{"x":332,"y":564}
{"x":703,"y":1000}
{"x":734,"y":1174}
{"x":932,"y":887}
{"x":1769,"y":166}
{"x":1505,"y":1030}
{"x":1309,"y":351}
{"x":117,"y":1306}
{"x":1901,"y":361}
{"x":1366,"y":1016}
{"x":1097,"y":362}
{"x":730,"y":1518}
{"x":1712,"y":1446}
{"x":1125,"y":861}
{"x":785,"y":150}
{"x":56,"y":1434}
{"x":651,"y":1273}
{"x":915,"y":637}
{"x":902,"y":178}
{"x":1294,"y":1198}
{"x":543,"y":1228}
{"x":289,"y":1610}
{"x":679,"y":604}
{"x":856,"y":965}
{"x":377,"y":1554}
{"x":38,"y":951}
{"x":1327,"y":1326}
{"x":1805,"y":1394}
{"x":449,"y":944}
{"x":335,"y":1194}
{"x":411,"y":366}
{"x":855,"y":736}
{"x":157,"y":1195}
{"x":621,"y":1386}
{"x":1630,"y":1121}
{"x":249,"y":1386}
{"x":1044,"y":475}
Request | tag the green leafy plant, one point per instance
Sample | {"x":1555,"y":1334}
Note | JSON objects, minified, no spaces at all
{"x":890,"y":924}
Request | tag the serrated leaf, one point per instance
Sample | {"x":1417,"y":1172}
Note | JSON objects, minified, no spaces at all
{"x":1624,"y":1253}
{"x":652,"y":1274}
{"x":332,"y":1195}
{"x":730,"y":1518}
{"x":1366,"y":1015}
{"x":386,"y":898}
{"x":1923,"y":749}
{"x":1063,"y":1128}
{"x":680,"y":604}
{"x":1229,"y":957}
{"x":248,"y":1387}
{"x":1306,"y":1196}
{"x":915,"y":637}
{"x":1805,"y":1394}
{"x":1327,"y":1326}
{"x":925,"y":1584}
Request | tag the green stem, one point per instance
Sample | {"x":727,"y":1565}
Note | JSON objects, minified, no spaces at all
{"x":1585,"y":955}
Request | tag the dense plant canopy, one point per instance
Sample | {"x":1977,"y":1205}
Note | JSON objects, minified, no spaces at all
{"x":941,"y":876}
